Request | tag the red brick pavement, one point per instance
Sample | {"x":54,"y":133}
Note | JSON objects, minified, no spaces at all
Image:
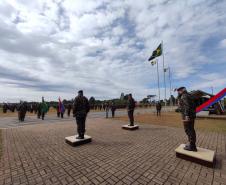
{"x":38,"y":154}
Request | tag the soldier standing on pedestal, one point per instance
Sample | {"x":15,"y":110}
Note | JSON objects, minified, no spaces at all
{"x":188,"y":112}
{"x":80,"y":110}
{"x":130,"y":108}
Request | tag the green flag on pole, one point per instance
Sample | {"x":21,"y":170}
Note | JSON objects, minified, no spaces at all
{"x":156,"y":53}
{"x":153,"y":62}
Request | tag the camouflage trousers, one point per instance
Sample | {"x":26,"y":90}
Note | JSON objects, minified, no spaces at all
{"x":190,"y":131}
{"x":81,"y":120}
{"x":131,"y":117}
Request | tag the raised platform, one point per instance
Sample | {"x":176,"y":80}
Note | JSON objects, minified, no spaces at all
{"x":212,"y":116}
{"x":202,"y":156}
{"x":127,"y":127}
{"x":71,"y":140}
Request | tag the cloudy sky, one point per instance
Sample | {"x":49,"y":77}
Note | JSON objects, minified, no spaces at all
{"x":53,"y":48}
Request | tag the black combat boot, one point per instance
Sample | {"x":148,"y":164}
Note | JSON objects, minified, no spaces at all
{"x":190,"y":148}
{"x":80,"y":137}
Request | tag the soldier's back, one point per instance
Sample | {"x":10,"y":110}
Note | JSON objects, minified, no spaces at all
{"x":81,"y":105}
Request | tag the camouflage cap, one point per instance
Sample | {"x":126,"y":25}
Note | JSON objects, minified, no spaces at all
{"x":181,"y":88}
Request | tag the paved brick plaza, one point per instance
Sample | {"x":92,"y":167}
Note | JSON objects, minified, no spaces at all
{"x":37,"y":154}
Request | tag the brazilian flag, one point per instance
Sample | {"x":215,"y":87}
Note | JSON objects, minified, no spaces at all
{"x":156,"y":53}
{"x":153,"y":62}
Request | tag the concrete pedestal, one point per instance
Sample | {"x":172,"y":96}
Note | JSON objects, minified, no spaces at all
{"x":71,"y":140}
{"x":127,"y":127}
{"x":202,"y":156}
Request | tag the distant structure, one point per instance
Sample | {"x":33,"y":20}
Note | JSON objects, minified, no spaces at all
{"x":122,"y":96}
{"x":150,"y":97}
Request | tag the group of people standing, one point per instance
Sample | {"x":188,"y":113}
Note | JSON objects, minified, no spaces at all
{"x":81,"y":108}
{"x":111,"y":107}
{"x":186,"y":106}
{"x":22,"y":108}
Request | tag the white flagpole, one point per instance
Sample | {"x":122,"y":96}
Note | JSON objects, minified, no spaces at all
{"x":158,"y":78}
{"x":170,"y":86}
{"x":164,"y":71}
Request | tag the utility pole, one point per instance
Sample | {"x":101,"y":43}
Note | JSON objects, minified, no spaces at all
{"x":170,"y":86}
{"x":163,"y":63}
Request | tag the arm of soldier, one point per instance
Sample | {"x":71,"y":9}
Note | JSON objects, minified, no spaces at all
{"x":87,"y":106}
{"x":134,"y":104}
{"x":74,"y":107}
{"x":187,"y":106}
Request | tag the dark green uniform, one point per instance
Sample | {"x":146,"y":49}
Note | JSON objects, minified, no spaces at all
{"x":130,"y":108}
{"x":158,"y":108}
{"x":44,"y":109}
{"x":187,"y":109}
{"x":22,"y":109}
{"x":80,"y":109}
{"x":5,"y":107}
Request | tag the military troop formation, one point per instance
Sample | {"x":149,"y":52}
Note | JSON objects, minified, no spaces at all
{"x":23,"y":107}
{"x":186,"y":105}
{"x":81,"y":107}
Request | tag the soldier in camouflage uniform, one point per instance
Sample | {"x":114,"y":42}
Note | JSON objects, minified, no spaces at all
{"x":188,"y":112}
{"x":130,"y":108}
{"x":80,"y":110}
{"x":22,"y":109}
{"x":69,"y":107}
{"x":4,"y":108}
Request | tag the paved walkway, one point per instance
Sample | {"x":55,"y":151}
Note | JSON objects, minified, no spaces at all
{"x":37,"y":154}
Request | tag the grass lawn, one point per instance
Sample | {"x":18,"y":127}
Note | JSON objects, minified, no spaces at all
{"x":173,"y":119}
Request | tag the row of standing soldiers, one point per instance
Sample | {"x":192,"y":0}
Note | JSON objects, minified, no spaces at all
{"x":23,"y":107}
{"x":40,"y":109}
{"x":81,"y":108}
{"x":186,"y":105}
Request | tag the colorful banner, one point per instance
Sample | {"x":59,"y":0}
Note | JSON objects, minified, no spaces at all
{"x":212,"y":101}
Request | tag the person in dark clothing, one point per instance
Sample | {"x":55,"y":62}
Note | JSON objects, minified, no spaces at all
{"x":61,"y":108}
{"x":22,"y":109}
{"x":39,"y":110}
{"x":69,"y":110}
{"x":31,"y":108}
{"x":107,"y":109}
{"x":35,"y":107}
{"x":80,"y":110}
{"x":113,"y":108}
{"x":13,"y":108}
{"x":58,"y":111}
{"x":188,"y":111}
{"x":4,"y":108}
{"x":44,"y":108}
{"x":158,"y":108}
{"x":130,"y":108}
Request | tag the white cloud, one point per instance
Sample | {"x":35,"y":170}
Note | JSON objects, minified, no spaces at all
{"x":102,"y":46}
{"x":223,"y":43}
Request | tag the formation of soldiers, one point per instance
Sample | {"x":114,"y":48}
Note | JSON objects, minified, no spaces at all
{"x":186,"y":105}
{"x":81,"y":107}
